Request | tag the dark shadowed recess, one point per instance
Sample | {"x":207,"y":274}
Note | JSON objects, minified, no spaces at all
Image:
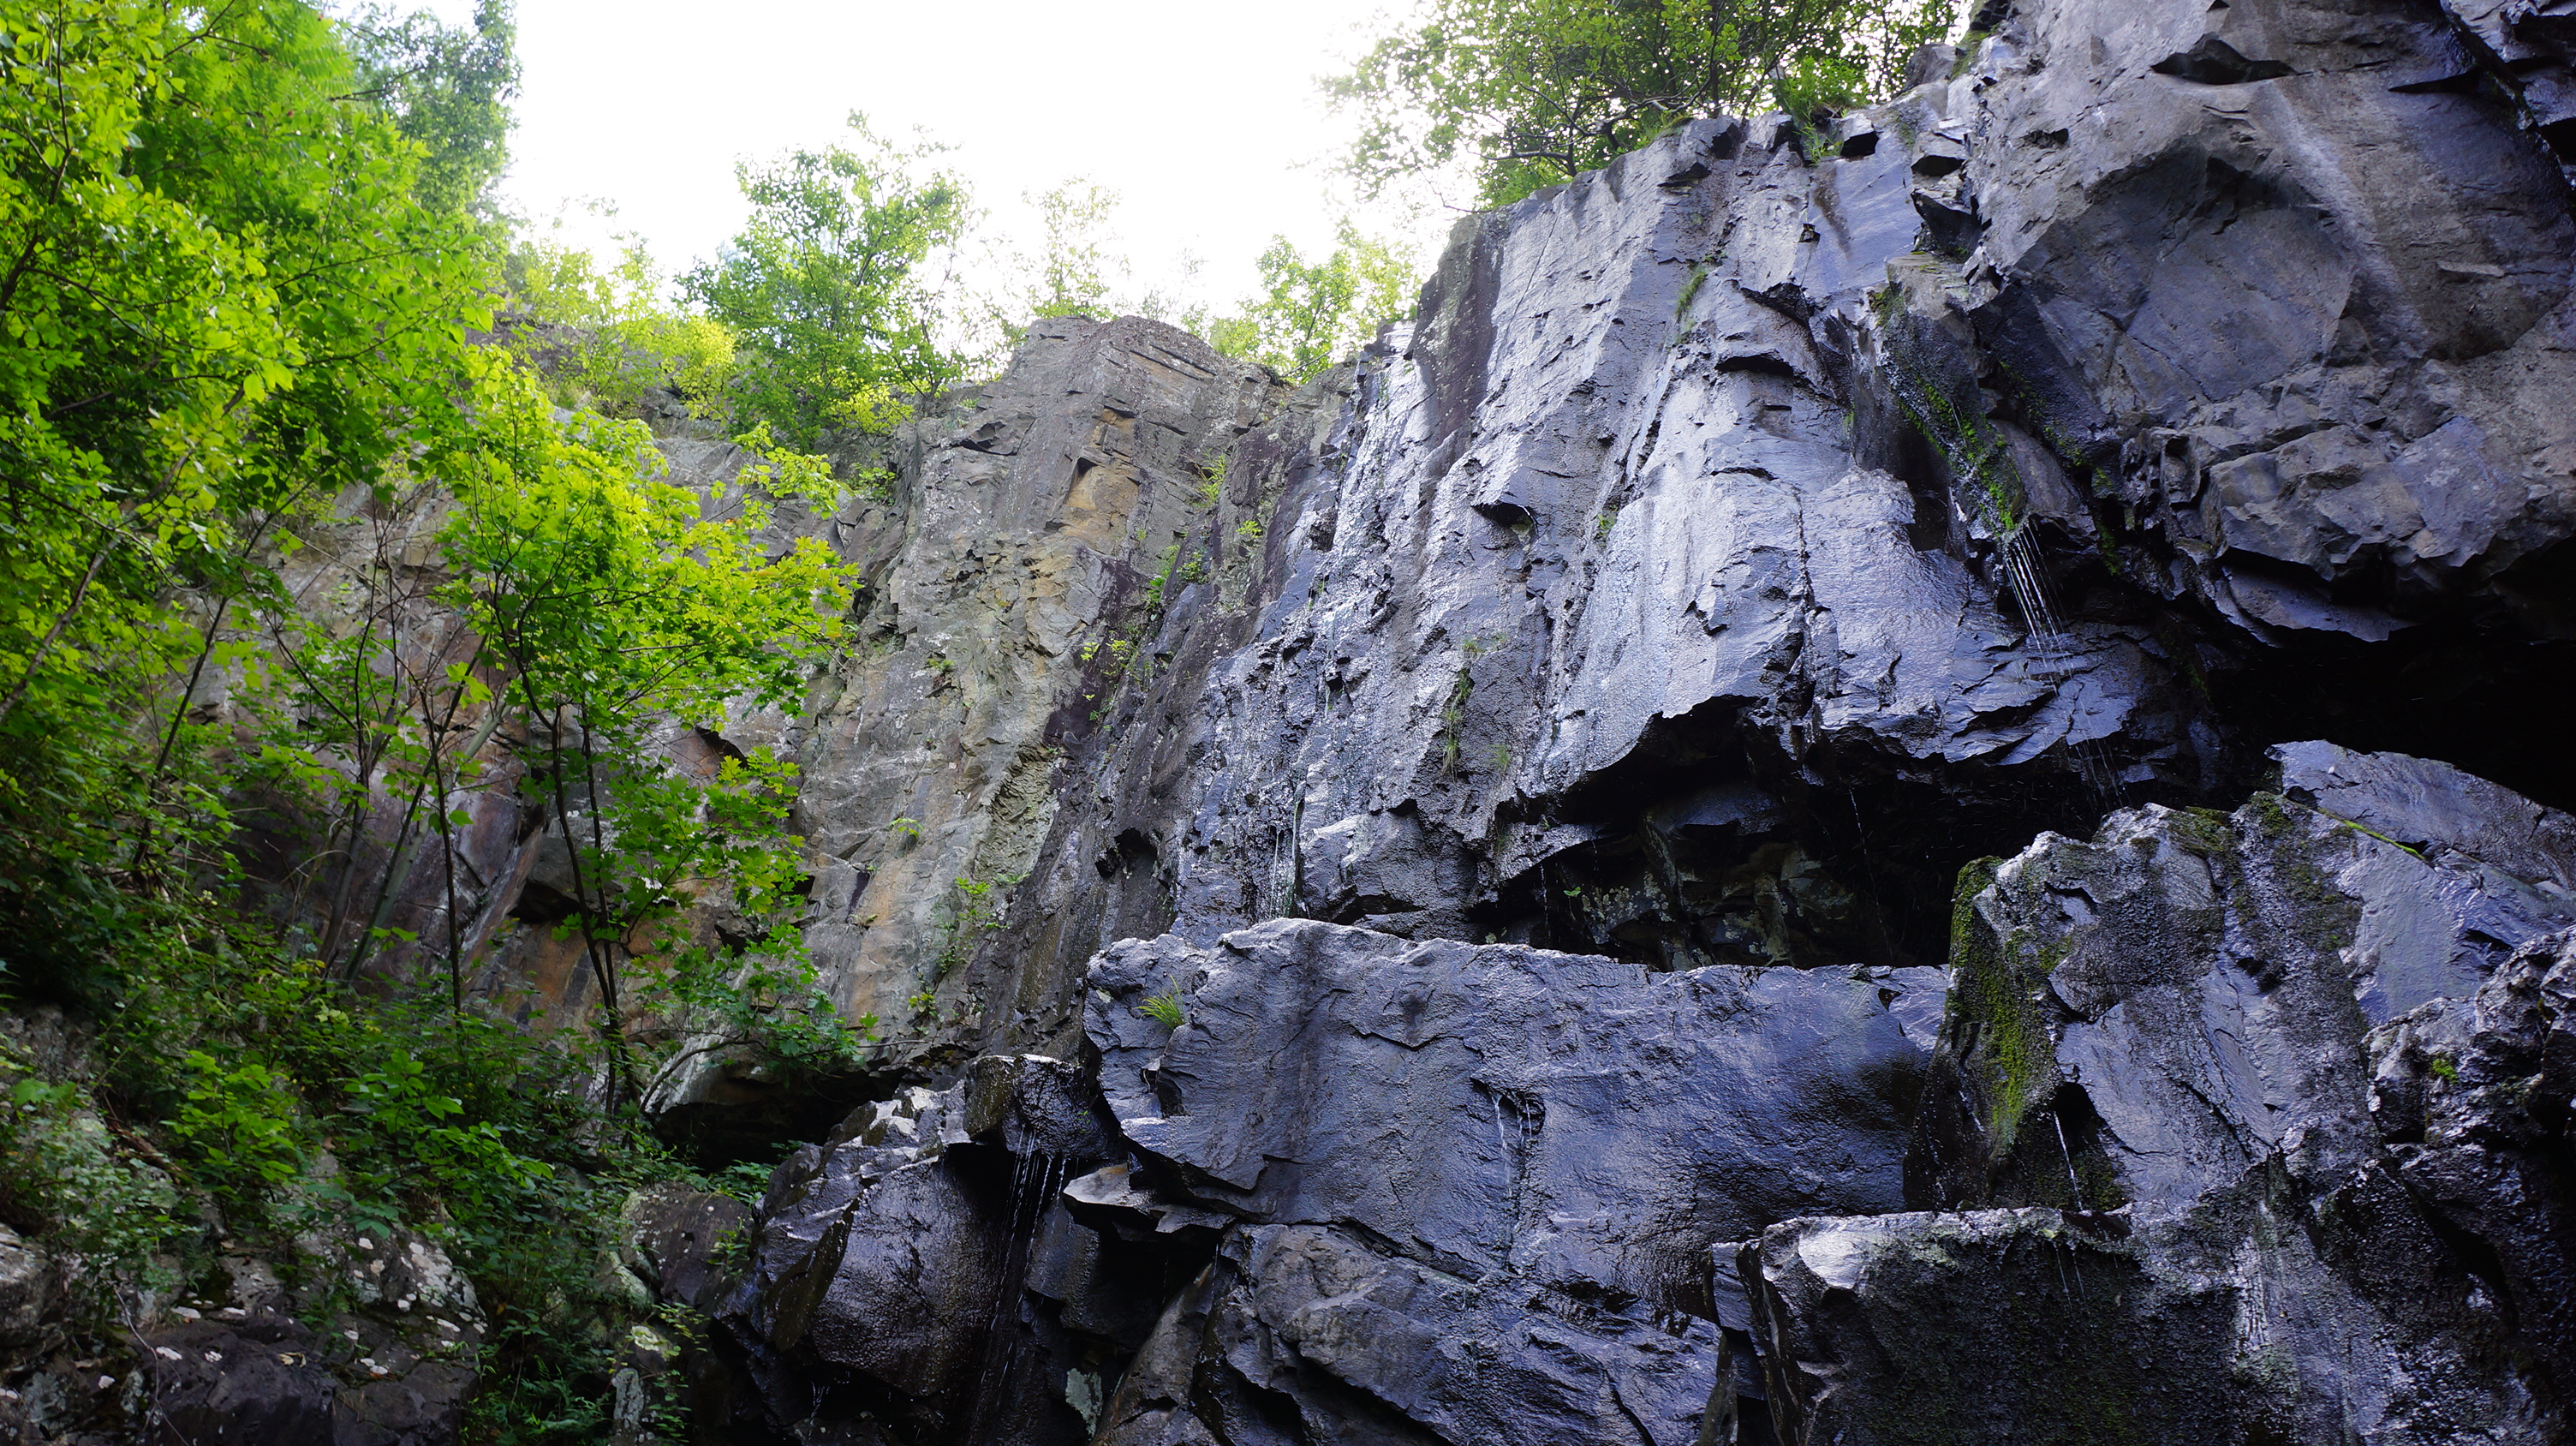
{"x":1707,"y":847}
{"x":754,"y":1121}
{"x":2489,"y":691}
{"x":1087,"y":1303}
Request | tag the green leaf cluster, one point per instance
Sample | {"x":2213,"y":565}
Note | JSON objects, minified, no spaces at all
{"x":1075,"y":271}
{"x":829,"y":294}
{"x":1311,"y":314}
{"x":245,"y":253}
{"x":230,"y":297}
{"x":1530,"y":93}
{"x":603,"y":335}
{"x":448,"y":89}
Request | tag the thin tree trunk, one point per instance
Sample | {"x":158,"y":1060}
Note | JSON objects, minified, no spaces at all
{"x":196,"y":671}
{"x":336,"y":922}
{"x":404,"y":839}
{"x":601,"y":971}
{"x":98,"y":560}
{"x":53,"y":635}
{"x":447,"y":845}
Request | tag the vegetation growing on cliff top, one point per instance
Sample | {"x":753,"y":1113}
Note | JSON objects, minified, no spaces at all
{"x":1531,"y":94}
{"x":825,"y":292}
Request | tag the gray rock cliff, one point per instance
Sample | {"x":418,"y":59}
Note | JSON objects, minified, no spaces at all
{"x":1898,"y":783}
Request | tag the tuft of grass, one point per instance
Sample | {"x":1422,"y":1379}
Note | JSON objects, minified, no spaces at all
{"x":1164,"y":1008}
{"x":1690,"y":289}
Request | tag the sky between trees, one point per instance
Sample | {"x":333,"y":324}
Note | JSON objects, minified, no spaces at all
{"x":1205,"y":119}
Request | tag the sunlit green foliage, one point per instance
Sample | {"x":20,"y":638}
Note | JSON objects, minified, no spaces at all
{"x":605,"y":598}
{"x":224,"y":303}
{"x":242,"y":250}
{"x":1533,"y":92}
{"x":449,"y":90}
{"x":1312,"y":314}
{"x":260,"y":1070}
{"x":835,"y":316}
{"x":1075,"y":270}
{"x":604,"y":335}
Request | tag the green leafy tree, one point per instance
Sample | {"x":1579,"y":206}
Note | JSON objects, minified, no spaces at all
{"x":1074,"y":273}
{"x":449,"y":90}
{"x":1533,"y":92}
{"x":826,"y":291}
{"x":1311,"y":314}
{"x":1078,"y":269}
{"x":604,"y":334}
{"x":605,"y":596}
{"x":225,"y":301}
{"x":235,"y":291}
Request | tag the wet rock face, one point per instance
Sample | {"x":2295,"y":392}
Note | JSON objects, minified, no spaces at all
{"x":2474,"y":1098}
{"x":1487,"y":1110}
{"x":2294,"y":369}
{"x":1473,"y":1190}
{"x":2145,"y":1016}
{"x":1604,"y":622}
{"x":2321,"y":396}
{"x":907,"y":1277}
{"x":1516,"y":786}
{"x":1988,"y":1326}
{"x":2232,"y":1083}
{"x":2443,"y":1233}
{"x":1735,"y":542}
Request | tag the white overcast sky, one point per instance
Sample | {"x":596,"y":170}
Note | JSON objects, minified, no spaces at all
{"x":1205,"y":118}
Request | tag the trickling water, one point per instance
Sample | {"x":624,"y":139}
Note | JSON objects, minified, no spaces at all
{"x":1869,"y":875}
{"x":2074,"y":1192}
{"x":1971,"y":448}
{"x":1036,"y":1178}
{"x":2038,"y":600}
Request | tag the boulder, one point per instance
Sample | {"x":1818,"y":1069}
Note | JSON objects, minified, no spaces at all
{"x":1472,"y":1189}
{"x":895,"y":1271}
{"x":2222,"y":1097}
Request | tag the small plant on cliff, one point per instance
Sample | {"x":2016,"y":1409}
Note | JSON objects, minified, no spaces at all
{"x":1690,"y":289}
{"x":1813,"y":91}
{"x":1162,"y":581}
{"x":1453,"y":718}
{"x":1164,"y":1008}
{"x":974,"y":912}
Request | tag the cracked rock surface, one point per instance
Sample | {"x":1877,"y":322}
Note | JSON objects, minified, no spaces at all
{"x":1478,"y":839}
